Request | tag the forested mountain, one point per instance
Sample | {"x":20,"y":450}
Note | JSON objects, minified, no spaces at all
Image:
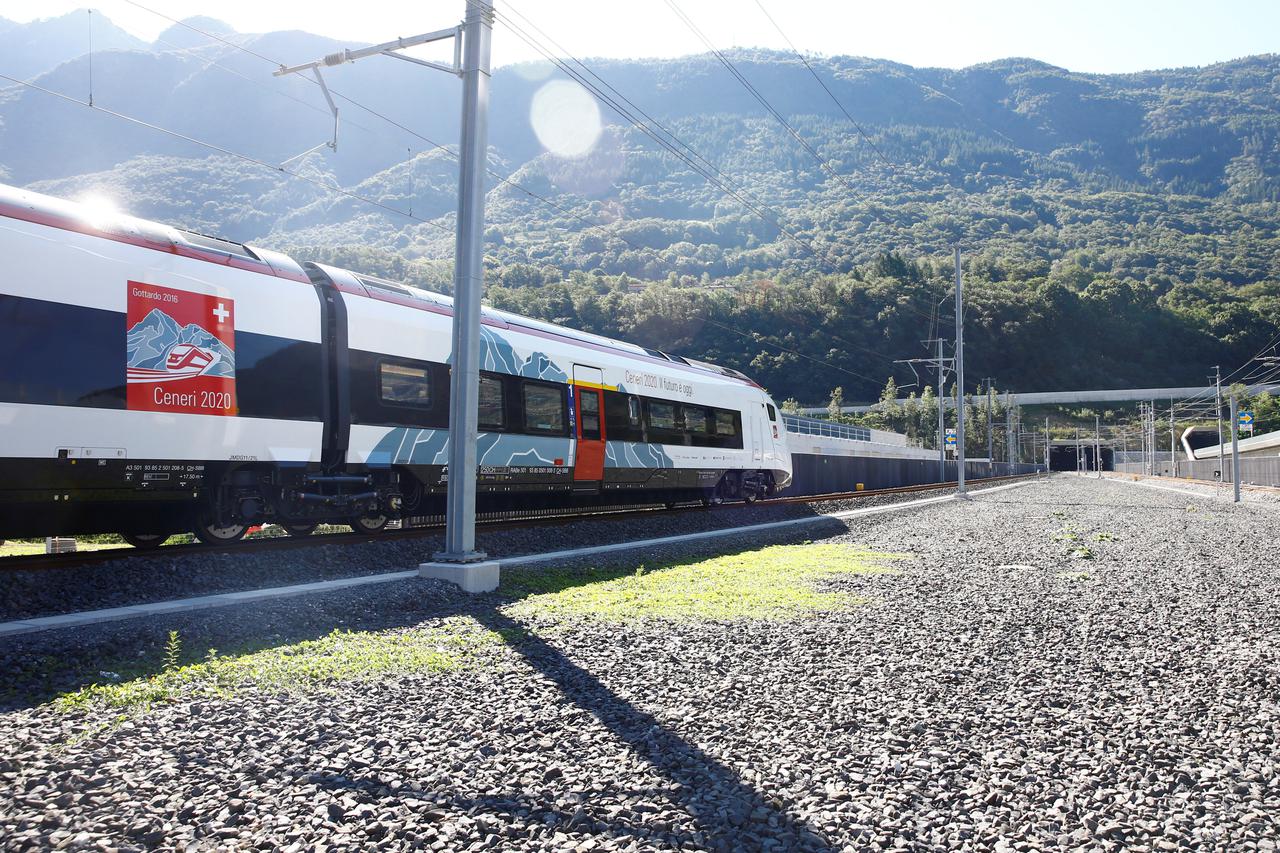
{"x":1118,"y":229}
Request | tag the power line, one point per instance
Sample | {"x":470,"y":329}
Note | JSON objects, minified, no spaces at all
{"x":708,"y":174}
{"x":618,"y":95}
{"x":759,"y":338}
{"x":501,"y":178}
{"x":258,"y":83}
{"x":222,"y":150}
{"x":830,"y":94}
{"x":725,"y":61}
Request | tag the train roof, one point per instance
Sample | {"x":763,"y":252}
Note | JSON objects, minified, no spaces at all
{"x":82,"y":218}
{"x":494,"y":316}
{"x":29,"y":206}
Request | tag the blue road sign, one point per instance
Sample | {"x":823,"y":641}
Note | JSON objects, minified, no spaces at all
{"x":1245,"y":421}
{"x":951,"y":438}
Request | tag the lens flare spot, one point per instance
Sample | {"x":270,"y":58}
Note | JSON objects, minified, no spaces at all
{"x":565,"y":118}
{"x":100,"y":211}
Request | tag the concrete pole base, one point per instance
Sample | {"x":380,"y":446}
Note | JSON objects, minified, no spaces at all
{"x":472,"y":577}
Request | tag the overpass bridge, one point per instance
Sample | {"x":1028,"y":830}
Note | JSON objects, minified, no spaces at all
{"x":1116,"y":395}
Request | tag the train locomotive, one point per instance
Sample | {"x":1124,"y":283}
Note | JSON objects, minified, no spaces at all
{"x":155,"y":380}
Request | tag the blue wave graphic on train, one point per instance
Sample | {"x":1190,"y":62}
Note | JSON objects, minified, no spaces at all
{"x":497,"y":355}
{"x":151,"y":340}
{"x":408,"y":446}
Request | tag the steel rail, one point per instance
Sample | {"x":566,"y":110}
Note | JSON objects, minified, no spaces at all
{"x":497,"y":521}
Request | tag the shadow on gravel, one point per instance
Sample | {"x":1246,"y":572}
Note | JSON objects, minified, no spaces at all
{"x":41,"y":667}
{"x":728,"y":813}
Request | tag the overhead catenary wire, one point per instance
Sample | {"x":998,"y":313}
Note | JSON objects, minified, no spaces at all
{"x":760,"y":338}
{"x":90,"y":11}
{"x":371,"y":111}
{"x":614,"y":104}
{"x":755,"y":93}
{"x":208,"y":62}
{"x":223,"y":150}
{"x":630,"y":104}
{"x":825,"y":88}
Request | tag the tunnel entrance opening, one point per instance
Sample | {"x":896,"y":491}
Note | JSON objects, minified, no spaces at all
{"x":1078,"y":457}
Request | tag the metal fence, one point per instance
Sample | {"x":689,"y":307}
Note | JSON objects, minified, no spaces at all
{"x":1253,"y":470}
{"x":815,"y":474}
{"x":812,"y":426}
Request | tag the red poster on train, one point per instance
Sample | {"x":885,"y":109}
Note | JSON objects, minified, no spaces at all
{"x":181,"y":352}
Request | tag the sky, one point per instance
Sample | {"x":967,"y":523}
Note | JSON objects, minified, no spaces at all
{"x":1104,"y":36}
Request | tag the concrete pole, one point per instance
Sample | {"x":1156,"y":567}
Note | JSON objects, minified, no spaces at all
{"x":991,"y":462}
{"x":1097,"y":445}
{"x":468,"y":279}
{"x":1217,"y":384}
{"x":1048,"y":443}
{"x":959,"y":379}
{"x":1155,"y":441}
{"x":1148,"y":457}
{"x":1173,"y":449}
{"x":1235,"y":447}
{"x":1008,"y":430}
{"x":942,"y":423}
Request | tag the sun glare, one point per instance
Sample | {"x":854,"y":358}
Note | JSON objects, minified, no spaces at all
{"x":100,"y":210}
{"x":565,"y":118}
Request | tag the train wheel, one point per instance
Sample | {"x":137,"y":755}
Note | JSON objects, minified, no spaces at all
{"x":212,"y":533}
{"x":299,"y":528}
{"x":368,"y":524}
{"x":145,"y":541}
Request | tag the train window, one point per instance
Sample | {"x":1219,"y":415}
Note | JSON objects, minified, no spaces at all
{"x":589,"y":409}
{"x":662,"y":416}
{"x":543,"y":409}
{"x":728,"y":429}
{"x":622,"y":417}
{"x":404,"y":385}
{"x":698,"y":424}
{"x":697,"y":420}
{"x":773,"y":413}
{"x":491,"y":404}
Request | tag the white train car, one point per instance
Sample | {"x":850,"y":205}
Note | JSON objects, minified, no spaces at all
{"x":153,"y":380}
{"x":560,"y":411}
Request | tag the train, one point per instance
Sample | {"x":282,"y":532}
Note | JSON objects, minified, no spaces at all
{"x":155,"y":380}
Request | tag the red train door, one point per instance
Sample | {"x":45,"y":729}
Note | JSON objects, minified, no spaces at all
{"x":588,"y":462}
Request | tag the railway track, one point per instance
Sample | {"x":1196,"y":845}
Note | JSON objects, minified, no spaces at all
{"x":484,"y":521}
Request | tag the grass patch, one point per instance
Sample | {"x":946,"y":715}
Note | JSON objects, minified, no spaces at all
{"x":25,"y":547}
{"x":773,"y":583}
{"x":341,"y":656}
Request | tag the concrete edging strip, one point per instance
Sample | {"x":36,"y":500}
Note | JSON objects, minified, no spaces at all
{"x":203,"y":602}
{"x":206,"y":602}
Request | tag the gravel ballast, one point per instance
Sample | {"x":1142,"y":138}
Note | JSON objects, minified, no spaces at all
{"x":1071,"y":664}
{"x":166,"y":575}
